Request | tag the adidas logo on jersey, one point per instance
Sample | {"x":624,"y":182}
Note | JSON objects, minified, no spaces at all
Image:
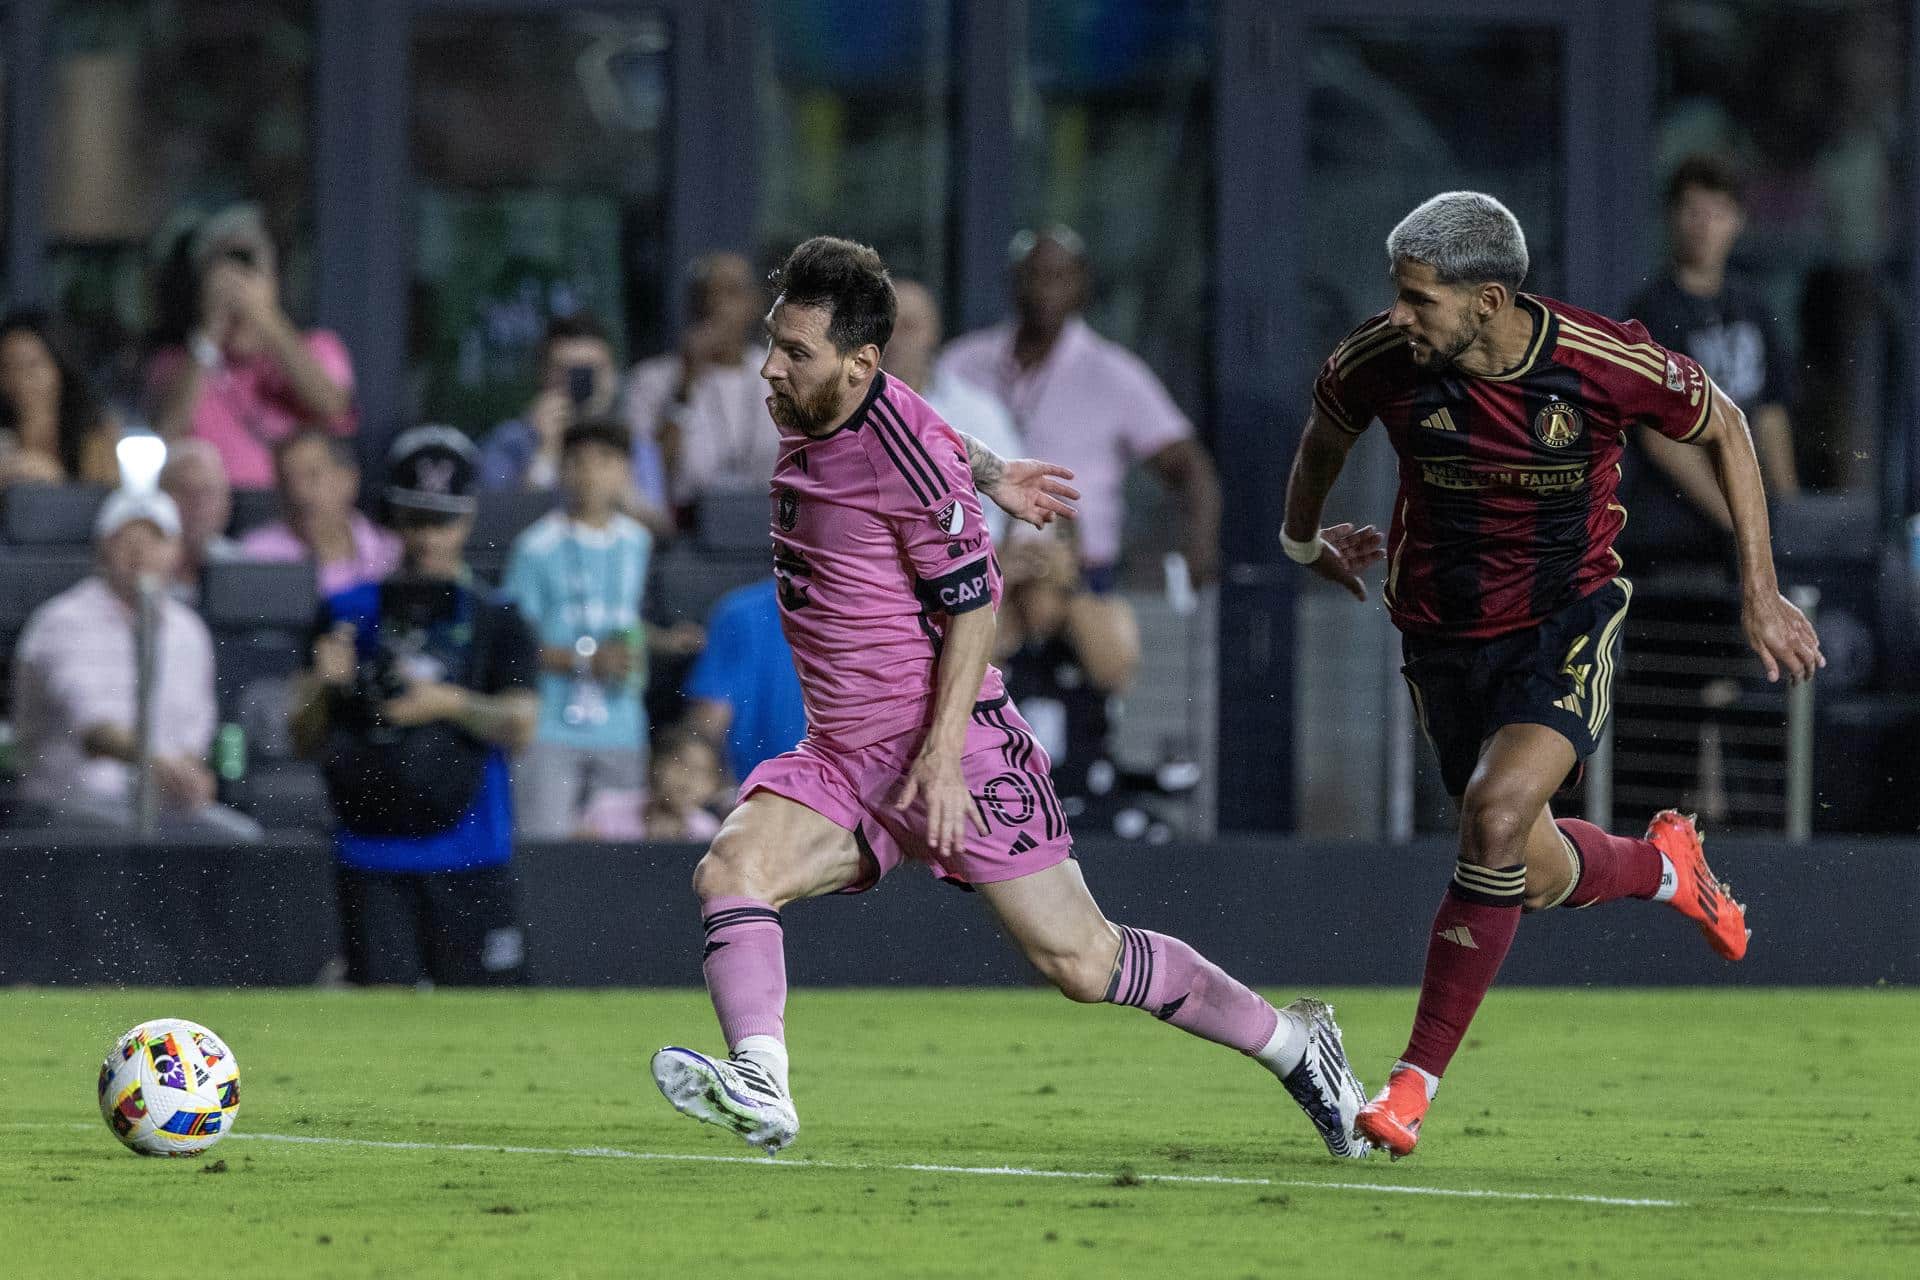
{"x":1441,"y":420}
{"x":1460,"y":936}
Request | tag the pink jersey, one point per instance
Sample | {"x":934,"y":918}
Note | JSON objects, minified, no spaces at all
{"x":878,"y":540}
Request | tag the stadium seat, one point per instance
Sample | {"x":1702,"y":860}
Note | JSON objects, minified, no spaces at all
{"x":733,"y":523}
{"x":253,"y":508}
{"x":51,"y":514}
{"x":500,"y":519}
{"x":687,"y":583}
{"x":239,"y":594}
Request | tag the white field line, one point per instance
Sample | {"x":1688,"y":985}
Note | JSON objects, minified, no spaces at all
{"x":1014,"y":1171}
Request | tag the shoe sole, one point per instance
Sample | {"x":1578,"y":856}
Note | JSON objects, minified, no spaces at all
{"x":691,"y":1083}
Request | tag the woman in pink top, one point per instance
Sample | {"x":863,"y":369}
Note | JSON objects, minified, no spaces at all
{"x":247,"y":378}
{"x":319,"y":479}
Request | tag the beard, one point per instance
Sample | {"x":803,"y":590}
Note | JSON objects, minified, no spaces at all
{"x":808,"y":414}
{"x":1441,"y":358}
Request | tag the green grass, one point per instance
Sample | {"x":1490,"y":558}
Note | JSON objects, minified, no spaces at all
{"x":1782,"y":1119}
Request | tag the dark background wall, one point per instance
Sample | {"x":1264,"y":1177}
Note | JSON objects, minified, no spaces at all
{"x":1281,"y":913}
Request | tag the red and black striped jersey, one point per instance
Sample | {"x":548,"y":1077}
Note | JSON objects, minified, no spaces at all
{"x":1506,"y":510}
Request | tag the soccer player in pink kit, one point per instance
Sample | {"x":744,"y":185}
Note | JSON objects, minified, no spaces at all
{"x":888,"y":587}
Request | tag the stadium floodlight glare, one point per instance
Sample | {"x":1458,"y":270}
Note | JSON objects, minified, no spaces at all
{"x":141,"y":457}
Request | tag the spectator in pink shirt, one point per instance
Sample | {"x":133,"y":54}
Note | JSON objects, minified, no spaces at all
{"x":319,"y":480}
{"x":76,"y":710}
{"x":1090,"y":404}
{"x":246,"y":378}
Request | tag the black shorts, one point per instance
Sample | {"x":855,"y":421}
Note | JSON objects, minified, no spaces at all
{"x":1558,"y":674}
{"x":454,"y":928}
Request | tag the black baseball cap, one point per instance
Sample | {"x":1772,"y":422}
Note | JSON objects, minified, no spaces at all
{"x":433,"y":471}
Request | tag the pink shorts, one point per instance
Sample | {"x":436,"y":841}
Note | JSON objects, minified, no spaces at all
{"x":1006,"y":770}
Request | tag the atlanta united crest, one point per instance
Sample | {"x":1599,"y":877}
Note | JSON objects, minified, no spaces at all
{"x":1558,"y":424}
{"x":787,"y":509}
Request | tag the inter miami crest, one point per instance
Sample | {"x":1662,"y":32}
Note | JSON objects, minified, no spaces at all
{"x":1558,"y":424}
{"x":787,"y":510}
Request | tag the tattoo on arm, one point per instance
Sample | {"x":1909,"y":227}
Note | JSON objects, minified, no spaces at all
{"x":988,"y":466}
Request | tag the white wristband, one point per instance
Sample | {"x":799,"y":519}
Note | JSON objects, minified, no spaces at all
{"x":1302,"y":552}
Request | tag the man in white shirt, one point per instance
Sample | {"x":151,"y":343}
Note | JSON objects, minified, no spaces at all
{"x":76,"y":680}
{"x":705,"y":403}
{"x":966,"y":408}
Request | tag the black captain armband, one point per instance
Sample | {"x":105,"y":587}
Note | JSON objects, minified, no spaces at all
{"x":961,"y":591}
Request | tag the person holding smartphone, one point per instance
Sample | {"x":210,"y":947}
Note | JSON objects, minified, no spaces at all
{"x":578,"y":383}
{"x":242,"y":375}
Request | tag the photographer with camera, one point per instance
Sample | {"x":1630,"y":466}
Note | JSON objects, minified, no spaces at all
{"x":578,"y":383}
{"x":421,"y":685}
{"x":246,"y":377}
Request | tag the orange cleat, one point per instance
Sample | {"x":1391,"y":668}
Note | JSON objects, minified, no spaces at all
{"x":1392,"y":1120}
{"x":1699,"y":896}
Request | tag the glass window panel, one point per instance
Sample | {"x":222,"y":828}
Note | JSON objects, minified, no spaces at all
{"x":556,"y":205}
{"x":1808,"y":101}
{"x":853,"y":122}
{"x":162,"y":111}
{"x":1396,"y":113}
{"x":1113,"y":121}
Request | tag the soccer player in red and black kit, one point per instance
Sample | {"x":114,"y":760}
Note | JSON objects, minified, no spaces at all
{"x":1507,"y":411}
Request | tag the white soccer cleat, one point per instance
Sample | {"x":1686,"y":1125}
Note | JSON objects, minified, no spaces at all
{"x":1324,"y":1085}
{"x":734,"y":1093}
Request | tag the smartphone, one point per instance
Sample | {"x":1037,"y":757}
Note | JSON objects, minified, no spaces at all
{"x":580,"y":384}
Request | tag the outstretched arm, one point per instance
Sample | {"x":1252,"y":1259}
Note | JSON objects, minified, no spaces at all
{"x":1344,"y":552}
{"x":1778,"y":631}
{"x":1024,"y":488}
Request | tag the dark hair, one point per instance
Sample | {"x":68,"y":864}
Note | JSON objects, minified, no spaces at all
{"x":581,"y":324}
{"x":79,"y":411}
{"x":847,"y":279}
{"x":340,"y":448}
{"x":1708,"y":173}
{"x":608,"y":433}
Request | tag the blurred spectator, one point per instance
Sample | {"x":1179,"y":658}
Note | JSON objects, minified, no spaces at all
{"x":197,"y":482}
{"x":53,"y":430}
{"x":1081,"y":400}
{"x":577,"y":382}
{"x":419,"y":688}
{"x":579,"y":576}
{"x":705,"y":403}
{"x":76,"y":710}
{"x":1063,"y":659}
{"x":743,"y":691}
{"x":683,"y":778}
{"x":965,"y":407}
{"x":1698,"y":308}
{"x":318,"y":474}
{"x":246,"y":377}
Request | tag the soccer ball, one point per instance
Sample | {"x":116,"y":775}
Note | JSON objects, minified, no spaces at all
{"x":169,"y":1088}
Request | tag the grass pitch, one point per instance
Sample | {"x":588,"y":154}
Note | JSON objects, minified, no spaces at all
{"x":1773,"y":1133}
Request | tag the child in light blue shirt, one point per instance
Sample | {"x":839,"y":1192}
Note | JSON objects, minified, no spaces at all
{"x":579,"y":575}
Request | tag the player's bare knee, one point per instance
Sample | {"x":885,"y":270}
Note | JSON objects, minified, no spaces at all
{"x":1493,"y":829}
{"x":732,"y":868}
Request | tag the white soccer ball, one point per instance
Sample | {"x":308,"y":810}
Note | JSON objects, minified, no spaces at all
{"x":169,"y":1088}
